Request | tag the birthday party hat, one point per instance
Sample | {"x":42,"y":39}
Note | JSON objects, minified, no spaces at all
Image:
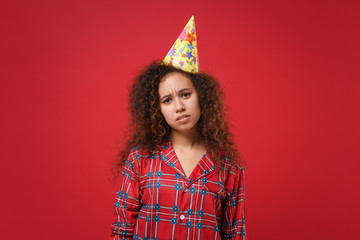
{"x":184,"y":53}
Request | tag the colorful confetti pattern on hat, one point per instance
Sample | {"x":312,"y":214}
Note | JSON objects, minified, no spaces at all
{"x":184,"y":53}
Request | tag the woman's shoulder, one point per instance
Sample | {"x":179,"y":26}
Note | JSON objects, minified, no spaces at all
{"x":229,"y":162}
{"x":231,"y":172}
{"x":230,"y":167}
{"x":142,"y":151}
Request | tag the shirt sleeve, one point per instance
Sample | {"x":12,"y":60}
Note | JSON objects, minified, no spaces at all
{"x":233,"y":221}
{"x":127,"y":201}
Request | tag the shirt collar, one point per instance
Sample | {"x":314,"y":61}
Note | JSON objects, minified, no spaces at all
{"x":203,"y":168}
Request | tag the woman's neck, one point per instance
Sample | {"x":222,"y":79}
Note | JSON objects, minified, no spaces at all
{"x":186,"y":140}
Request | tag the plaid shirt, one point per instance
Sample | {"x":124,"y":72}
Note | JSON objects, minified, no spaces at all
{"x":158,"y":201}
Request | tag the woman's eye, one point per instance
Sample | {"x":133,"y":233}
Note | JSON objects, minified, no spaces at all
{"x":186,"y":94}
{"x":166,"y":100}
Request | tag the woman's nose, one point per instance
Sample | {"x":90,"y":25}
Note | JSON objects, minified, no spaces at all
{"x":179,"y":105}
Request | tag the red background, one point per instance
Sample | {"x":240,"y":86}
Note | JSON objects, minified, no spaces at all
{"x":290,"y":71}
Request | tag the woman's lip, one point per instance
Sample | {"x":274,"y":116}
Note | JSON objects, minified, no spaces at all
{"x":182,"y":118}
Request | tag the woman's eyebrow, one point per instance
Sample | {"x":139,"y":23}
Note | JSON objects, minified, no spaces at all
{"x":182,"y":90}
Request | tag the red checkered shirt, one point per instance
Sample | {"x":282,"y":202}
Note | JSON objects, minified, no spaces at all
{"x":157,"y":201}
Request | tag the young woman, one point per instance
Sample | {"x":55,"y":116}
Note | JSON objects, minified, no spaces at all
{"x":180,"y":175}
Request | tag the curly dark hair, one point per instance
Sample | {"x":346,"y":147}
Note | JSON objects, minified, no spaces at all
{"x":147,"y":126}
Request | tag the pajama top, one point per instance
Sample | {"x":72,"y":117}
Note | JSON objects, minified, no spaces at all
{"x":157,"y":201}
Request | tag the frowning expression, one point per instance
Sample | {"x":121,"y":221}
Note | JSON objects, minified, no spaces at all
{"x":179,"y":102}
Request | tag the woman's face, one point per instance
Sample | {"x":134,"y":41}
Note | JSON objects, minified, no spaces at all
{"x":179,"y":102}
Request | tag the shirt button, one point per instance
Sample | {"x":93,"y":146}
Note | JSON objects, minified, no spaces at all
{"x":182,"y":217}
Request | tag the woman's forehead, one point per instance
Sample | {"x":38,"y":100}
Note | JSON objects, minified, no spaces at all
{"x":175,"y":81}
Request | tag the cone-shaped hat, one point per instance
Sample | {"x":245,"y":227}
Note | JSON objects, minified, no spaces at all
{"x":184,"y":53}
